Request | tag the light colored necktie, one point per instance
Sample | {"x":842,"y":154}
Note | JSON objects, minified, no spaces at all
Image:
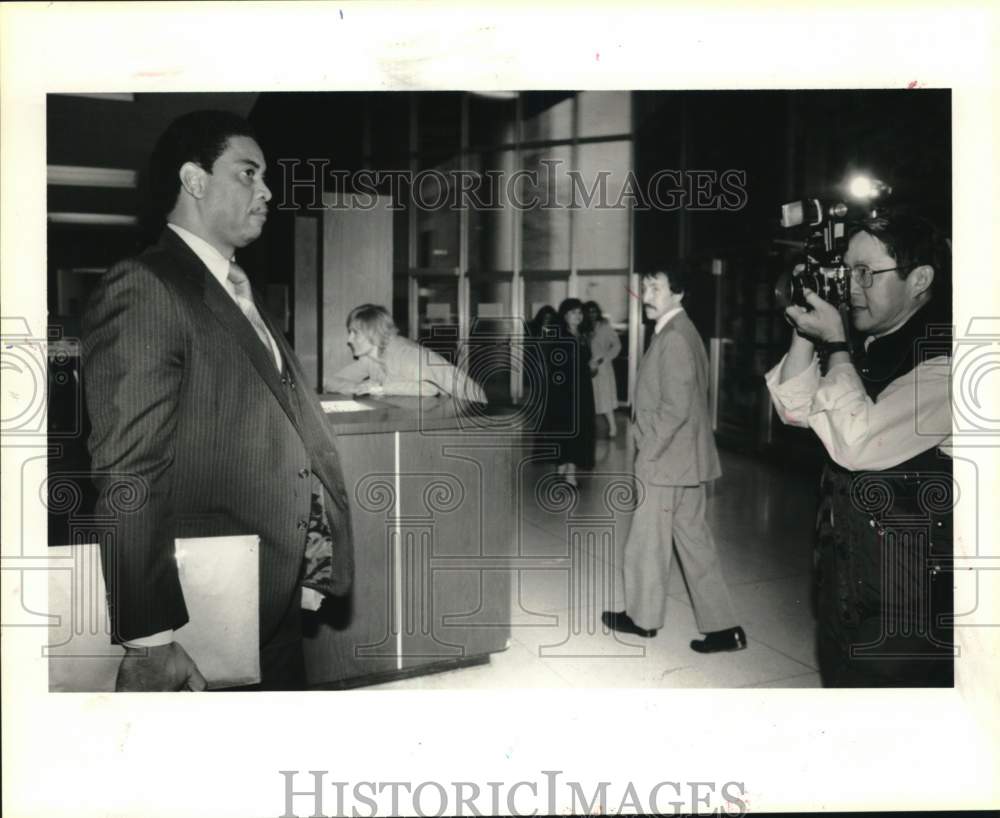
{"x":239,"y":286}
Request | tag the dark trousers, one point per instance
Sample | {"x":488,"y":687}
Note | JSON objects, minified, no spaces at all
{"x":884,"y":589}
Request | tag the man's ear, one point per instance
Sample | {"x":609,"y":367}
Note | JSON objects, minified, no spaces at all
{"x":920,"y":279}
{"x":192,"y":177}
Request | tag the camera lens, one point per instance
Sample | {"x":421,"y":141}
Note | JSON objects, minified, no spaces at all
{"x":785,"y":287}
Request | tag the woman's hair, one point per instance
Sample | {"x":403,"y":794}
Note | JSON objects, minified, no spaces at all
{"x":374,"y":322}
{"x":570,"y":304}
{"x":546,"y":315}
{"x":595,"y":307}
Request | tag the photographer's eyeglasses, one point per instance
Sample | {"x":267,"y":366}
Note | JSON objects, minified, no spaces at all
{"x":865,"y":275}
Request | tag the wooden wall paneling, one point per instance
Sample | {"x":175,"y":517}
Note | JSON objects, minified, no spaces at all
{"x":459,"y":510}
{"x":307,"y":272}
{"x":354,"y":636}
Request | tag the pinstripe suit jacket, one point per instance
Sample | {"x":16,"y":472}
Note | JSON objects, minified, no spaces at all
{"x":196,"y":433}
{"x":672,"y":429}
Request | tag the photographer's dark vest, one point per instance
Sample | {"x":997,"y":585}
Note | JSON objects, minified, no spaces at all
{"x":885,"y":545}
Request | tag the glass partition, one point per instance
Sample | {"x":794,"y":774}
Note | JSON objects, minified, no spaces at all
{"x":437,"y":313}
{"x":545,"y":223}
{"x":492,"y":119}
{"x":437,"y":218}
{"x":547,"y":115}
{"x":491,"y":226}
{"x":601,"y":227}
{"x":526,"y":236}
{"x":491,"y":330}
{"x":540,"y":290}
{"x":604,"y":113}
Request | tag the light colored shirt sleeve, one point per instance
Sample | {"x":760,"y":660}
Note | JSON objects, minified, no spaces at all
{"x":413,"y":369}
{"x":406,"y":371}
{"x":911,"y":415}
{"x":154,"y":640}
{"x":793,"y":399}
{"x":312,"y":599}
{"x":347,"y":380}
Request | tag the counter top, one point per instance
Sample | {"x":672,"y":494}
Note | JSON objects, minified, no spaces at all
{"x":409,"y":414}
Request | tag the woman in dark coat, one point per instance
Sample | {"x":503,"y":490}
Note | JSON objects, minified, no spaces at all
{"x":570,"y":407}
{"x":537,"y":376}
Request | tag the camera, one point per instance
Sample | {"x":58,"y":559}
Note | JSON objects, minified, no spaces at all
{"x":825,"y":223}
{"x":831,"y":283}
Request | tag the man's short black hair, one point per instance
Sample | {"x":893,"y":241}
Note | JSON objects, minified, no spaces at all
{"x":912,"y":241}
{"x":199,"y":137}
{"x":677,"y":273}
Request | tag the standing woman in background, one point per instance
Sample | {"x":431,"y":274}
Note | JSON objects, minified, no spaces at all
{"x":537,"y":374}
{"x":604,"y":348}
{"x":572,"y":391}
{"x":545,"y":317}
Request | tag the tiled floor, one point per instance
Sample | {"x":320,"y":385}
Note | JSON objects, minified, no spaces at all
{"x":762,"y":518}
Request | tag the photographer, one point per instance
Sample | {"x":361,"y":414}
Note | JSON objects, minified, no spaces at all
{"x":885,"y":422}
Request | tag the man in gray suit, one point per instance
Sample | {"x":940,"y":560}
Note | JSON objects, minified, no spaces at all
{"x":675,"y":457}
{"x":199,"y":400}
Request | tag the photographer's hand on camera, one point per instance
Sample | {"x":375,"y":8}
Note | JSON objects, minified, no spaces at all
{"x":899,"y":405}
{"x":821,"y":324}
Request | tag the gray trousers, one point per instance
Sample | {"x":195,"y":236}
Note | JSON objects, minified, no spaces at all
{"x":673,"y":516}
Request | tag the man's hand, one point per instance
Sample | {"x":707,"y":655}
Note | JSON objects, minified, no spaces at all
{"x":369,"y":389}
{"x":167,"y":667}
{"x":823,"y":323}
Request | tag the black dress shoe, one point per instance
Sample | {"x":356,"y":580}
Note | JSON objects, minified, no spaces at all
{"x":621,"y":622}
{"x":729,"y":639}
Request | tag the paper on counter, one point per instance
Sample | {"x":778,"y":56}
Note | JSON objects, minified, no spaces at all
{"x":220,"y":581}
{"x":344,"y":406}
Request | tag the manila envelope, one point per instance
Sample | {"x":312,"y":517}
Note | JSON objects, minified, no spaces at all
{"x":220,"y":581}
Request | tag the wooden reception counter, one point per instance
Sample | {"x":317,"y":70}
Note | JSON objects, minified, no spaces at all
{"x":431,"y":485}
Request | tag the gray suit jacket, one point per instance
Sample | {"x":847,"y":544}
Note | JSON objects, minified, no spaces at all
{"x":671,"y":426}
{"x":195,"y":433}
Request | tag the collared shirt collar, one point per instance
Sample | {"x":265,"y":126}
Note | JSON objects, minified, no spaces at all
{"x":217,"y":264}
{"x":661,"y":322}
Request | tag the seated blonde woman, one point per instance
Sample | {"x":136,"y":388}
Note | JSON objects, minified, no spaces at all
{"x":387,"y":364}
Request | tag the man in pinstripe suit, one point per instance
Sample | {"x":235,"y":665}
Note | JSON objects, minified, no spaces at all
{"x":674,"y":460}
{"x":201,"y":403}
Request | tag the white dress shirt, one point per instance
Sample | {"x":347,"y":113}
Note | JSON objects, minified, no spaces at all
{"x":661,"y":322}
{"x":911,"y":415}
{"x":218,"y":266}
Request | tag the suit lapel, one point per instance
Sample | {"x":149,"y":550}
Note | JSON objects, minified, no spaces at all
{"x":225,"y":310}
{"x":648,"y":363}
